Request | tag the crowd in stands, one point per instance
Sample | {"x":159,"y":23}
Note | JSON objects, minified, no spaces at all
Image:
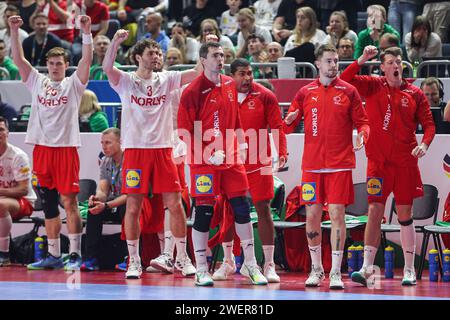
{"x":259,"y":31}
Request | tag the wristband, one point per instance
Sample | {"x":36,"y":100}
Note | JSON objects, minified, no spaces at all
{"x":106,"y":206}
{"x":87,"y":38}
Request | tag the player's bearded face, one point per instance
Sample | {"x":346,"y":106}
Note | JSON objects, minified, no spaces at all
{"x":149,"y":58}
{"x":327,"y":64}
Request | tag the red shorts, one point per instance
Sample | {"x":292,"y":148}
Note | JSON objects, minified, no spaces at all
{"x":208,"y":182}
{"x":261,"y":186}
{"x":25,"y":209}
{"x":182,"y":175}
{"x":57,"y":168}
{"x":382,"y":179}
{"x":142,"y":167}
{"x":327,"y":188}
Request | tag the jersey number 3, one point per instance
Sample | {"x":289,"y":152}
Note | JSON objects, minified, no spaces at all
{"x":149,"y":91}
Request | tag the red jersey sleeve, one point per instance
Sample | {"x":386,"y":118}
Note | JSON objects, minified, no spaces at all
{"x":273,"y":116}
{"x":361,"y":83}
{"x":186,"y":118}
{"x":425,"y":118}
{"x":359,"y":115}
{"x":296,"y":104}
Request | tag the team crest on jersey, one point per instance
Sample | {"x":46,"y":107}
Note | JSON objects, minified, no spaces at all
{"x":251,"y":104}
{"x":405,"y":102}
{"x":309,"y":191}
{"x":337,"y":100}
{"x":204,"y":183}
{"x":230,"y":96}
{"x":374,"y":186}
{"x":133,"y":178}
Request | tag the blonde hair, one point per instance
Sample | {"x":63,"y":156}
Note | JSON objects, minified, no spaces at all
{"x":247,"y":13}
{"x":178,"y":53}
{"x":344,"y":19}
{"x":89,"y":103}
{"x":303,"y":36}
{"x":213,"y":22}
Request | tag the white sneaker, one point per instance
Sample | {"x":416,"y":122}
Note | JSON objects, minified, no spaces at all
{"x":336,"y":281}
{"x":184,"y":265}
{"x":253,"y":273}
{"x":150,"y":269}
{"x":361,"y":276}
{"x":270,"y":273}
{"x":409,"y":277}
{"x":315,"y":278}
{"x":203,"y":279}
{"x":134,"y":270}
{"x":163,"y":263}
{"x":226,"y":269}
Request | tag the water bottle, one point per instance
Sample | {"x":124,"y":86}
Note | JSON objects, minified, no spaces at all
{"x":389,"y":262}
{"x":446,"y":265}
{"x":360,"y":258}
{"x":352,"y":260}
{"x":39,"y":249}
{"x":433,"y":259}
{"x":238,"y":261}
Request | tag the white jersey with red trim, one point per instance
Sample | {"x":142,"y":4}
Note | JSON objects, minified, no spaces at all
{"x":15,"y":167}
{"x":54,"y":110}
{"x":147,"y":120}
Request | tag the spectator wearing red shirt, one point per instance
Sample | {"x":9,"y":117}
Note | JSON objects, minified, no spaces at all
{"x":99,"y":14}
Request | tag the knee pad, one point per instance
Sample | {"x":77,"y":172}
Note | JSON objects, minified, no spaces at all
{"x":406,"y":223}
{"x":241,"y":209}
{"x":203,"y":216}
{"x":49,"y":199}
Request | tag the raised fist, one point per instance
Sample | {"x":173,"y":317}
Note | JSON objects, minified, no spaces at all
{"x":15,"y":22}
{"x":121,"y":35}
{"x":85,"y":24}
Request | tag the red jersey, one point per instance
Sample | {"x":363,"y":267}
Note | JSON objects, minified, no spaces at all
{"x":393,"y":116}
{"x":62,"y":29}
{"x":330,"y":113}
{"x":98,"y":12}
{"x":215,"y":111}
{"x":260,"y":111}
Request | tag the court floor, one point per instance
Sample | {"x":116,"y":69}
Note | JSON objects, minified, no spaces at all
{"x":17,"y":283}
